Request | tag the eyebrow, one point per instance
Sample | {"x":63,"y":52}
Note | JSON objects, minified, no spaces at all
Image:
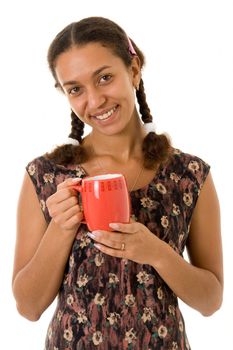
{"x":99,"y":70}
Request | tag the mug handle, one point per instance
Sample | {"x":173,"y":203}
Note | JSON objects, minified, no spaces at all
{"x":79,"y":189}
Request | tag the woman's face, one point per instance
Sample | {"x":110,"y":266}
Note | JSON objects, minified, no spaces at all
{"x":99,"y":87}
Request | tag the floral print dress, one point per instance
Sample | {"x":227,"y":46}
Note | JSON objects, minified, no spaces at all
{"x":109,"y":303}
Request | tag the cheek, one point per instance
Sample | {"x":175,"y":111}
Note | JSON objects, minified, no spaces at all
{"x":125,"y":93}
{"x":76,"y":106}
{"x":129,"y":97}
{"x":122,"y":86}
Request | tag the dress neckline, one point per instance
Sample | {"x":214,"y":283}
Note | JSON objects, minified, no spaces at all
{"x":80,"y":170}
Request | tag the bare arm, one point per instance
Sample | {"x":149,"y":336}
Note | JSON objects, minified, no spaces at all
{"x":199,"y":284}
{"x":42,"y":251}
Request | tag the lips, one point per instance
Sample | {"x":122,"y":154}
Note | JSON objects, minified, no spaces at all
{"x":105,"y":115}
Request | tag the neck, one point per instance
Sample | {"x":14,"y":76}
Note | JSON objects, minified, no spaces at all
{"x":122,"y":147}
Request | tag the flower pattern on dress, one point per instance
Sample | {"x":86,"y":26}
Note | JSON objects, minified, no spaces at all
{"x":85,"y":240}
{"x":81,"y":316}
{"x":193,"y":166}
{"x":171,"y":309}
{"x":70,"y":300}
{"x":32,"y":169}
{"x":161,"y":188}
{"x":174,"y":177}
{"x":142,"y":277}
{"x":129,"y":300}
{"x":42,"y":205}
{"x":113,"y":318}
{"x":130,"y":336}
{"x":188,"y":199}
{"x":146,"y":202}
{"x":68,"y":334}
{"x":48,"y":178}
{"x":160,"y":293}
{"x":99,"y":299}
{"x":162,"y":331}
{"x":110,"y":303}
{"x":148,"y":314}
{"x":82,"y":280}
{"x":59,"y":315}
{"x":174,"y":345}
{"x":99,"y":259}
{"x":97,"y":338}
{"x":71,"y":260}
{"x":181,"y":326}
{"x":79,"y":172}
{"x":113,"y":279}
{"x":164,"y":221}
{"x":175,"y":209}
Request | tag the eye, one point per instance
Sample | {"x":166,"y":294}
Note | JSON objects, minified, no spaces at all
{"x":74,"y":91}
{"x":105,"y":78}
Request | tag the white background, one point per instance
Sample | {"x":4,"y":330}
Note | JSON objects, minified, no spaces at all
{"x":189,"y":85}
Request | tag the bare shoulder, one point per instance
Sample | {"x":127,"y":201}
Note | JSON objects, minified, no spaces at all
{"x":31,"y":225}
{"x":204,"y":243}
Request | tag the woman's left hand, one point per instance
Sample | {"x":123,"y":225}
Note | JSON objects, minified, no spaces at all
{"x":132,"y":241}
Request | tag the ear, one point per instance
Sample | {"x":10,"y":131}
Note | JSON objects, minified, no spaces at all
{"x":135,"y":69}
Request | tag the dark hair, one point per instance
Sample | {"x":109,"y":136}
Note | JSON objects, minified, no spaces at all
{"x":156,"y":148}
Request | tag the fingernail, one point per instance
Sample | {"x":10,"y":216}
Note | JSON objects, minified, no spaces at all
{"x":94,"y":233}
{"x":76,"y":179}
{"x":114,"y":226}
{"x":90,"y":234}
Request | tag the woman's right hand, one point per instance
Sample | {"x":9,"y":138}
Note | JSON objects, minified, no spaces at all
{"x":63,"y":206}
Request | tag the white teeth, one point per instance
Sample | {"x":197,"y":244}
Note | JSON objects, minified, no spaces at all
{"x":106,"y":115}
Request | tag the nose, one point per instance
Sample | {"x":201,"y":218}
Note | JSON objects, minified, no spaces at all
{"x":95,"y":98}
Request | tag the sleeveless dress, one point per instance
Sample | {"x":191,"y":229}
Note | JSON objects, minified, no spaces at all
{"x":109,"y":303}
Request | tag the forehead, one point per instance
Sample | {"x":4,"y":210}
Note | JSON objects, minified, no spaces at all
{"x":81,"y":61}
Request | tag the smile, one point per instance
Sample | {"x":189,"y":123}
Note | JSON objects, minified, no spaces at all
{"x":106,"y":115}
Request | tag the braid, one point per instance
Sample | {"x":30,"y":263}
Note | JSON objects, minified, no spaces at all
{"x":143,"y":106}
{"x":155,"y":148}
{"x":77,"y":128}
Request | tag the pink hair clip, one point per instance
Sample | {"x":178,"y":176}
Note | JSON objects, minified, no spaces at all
{"x":131,"y":48}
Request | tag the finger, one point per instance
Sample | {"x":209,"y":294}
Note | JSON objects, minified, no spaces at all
{"x":108,"y":240}
{"x":74,"y":214}
{"x":62,"y":195}
{"x":61,"y":207}
{"x":75,"y":210}
{"x":128,"y":228}
{"x":73,"y":222}
{"x":69,"y":182}
{"x":113,"y":252}
{"x":108,"y":236}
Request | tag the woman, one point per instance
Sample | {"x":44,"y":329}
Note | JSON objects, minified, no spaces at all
{"x":116,"y":290}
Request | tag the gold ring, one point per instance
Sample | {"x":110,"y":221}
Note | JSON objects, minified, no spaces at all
{"x":122,"y":246}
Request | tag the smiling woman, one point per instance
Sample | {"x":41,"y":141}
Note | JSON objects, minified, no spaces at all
{"x":96,"y":65}
{"x":101,"y":95}
{"x":116,"y":289}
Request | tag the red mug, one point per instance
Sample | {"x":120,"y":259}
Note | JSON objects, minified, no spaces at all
{"x":105,"y":199}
